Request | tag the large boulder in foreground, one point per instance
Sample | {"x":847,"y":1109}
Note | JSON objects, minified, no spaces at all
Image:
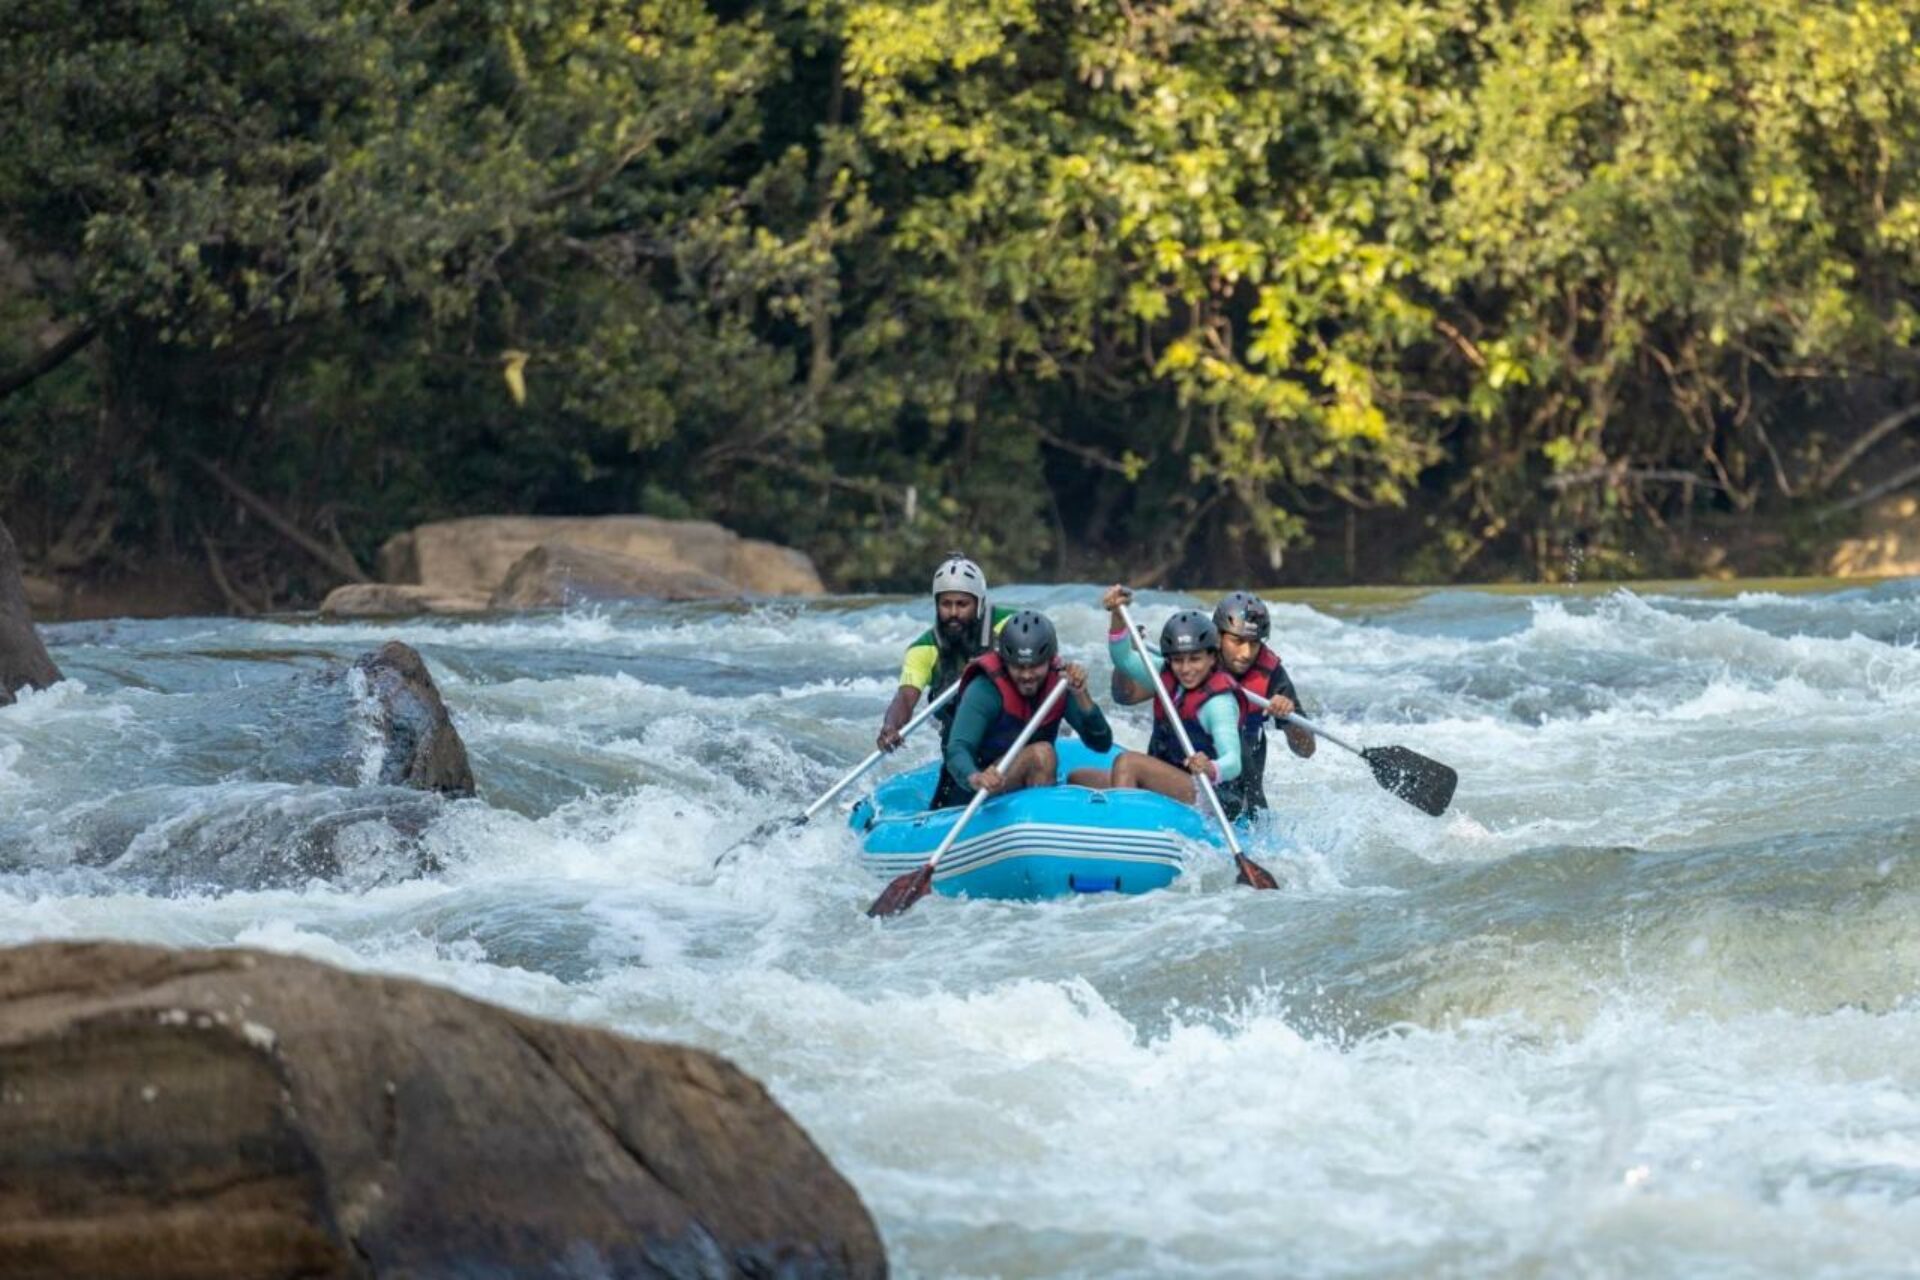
{"x":23,"y":657}
{"x":419,"y":746}
{"x":560,"y":574}
{"x":474,"y":555}
{"x":216,"y":1114}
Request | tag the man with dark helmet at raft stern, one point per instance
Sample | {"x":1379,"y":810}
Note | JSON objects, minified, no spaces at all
{"x":963,"y":629}
{"x":1205,"y":697}
{"x":999,"y":693}
{"x":1244,"y":624}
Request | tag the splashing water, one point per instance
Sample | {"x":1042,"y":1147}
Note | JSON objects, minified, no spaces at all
{"x":1642,"y":1002}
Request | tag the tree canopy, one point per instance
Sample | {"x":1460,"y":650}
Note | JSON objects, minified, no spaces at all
{"x":1222,"y":289}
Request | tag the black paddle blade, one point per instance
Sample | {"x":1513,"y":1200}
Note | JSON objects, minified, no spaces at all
{"x":759,"y":833}
{"x":903,"y":892}
{"x":1253,"y":875}
{"x":1425,"y":784}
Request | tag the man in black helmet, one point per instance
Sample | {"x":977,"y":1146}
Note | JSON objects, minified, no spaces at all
{"x":999,"y":693}
{"x":1244,"y":624}
{"x":963,"y":629}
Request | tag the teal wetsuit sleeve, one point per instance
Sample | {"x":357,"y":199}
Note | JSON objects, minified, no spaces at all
{"x":1221,"y":715}
{"x":1127,"y":662}
{"x":979,"y":706}
{"x":1091,"y":725}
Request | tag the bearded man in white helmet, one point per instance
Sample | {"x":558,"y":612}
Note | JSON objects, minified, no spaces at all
{"x":964,"y":625}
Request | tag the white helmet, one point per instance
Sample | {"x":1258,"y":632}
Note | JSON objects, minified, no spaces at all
{"x":957,"y":573}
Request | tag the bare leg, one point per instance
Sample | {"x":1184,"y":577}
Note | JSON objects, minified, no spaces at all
{"x":1137,"y":769}
{"x":1098,"y":779}
{"x":1035,"y":766}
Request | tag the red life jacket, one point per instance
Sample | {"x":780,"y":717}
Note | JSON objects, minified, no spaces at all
{"x":1259,"y":679}
{"x":1015,"y":708}
{"x":1165,"y":744}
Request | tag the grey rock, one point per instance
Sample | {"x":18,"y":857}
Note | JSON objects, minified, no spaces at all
{"x":24,"y":662}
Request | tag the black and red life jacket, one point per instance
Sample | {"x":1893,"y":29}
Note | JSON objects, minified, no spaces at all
{"x":1015,"y":707}
{"x":1165,"y":744}
{"x":1258,"y":679}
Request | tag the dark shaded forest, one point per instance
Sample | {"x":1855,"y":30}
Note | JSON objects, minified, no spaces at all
{"x":1196,"y":291}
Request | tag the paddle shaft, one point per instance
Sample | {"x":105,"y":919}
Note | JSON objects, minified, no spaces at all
{"x":1006,"y":761}
{"x":926,"y":713}
{"x":1180,"y":733}
{"x":1302,"y":721}
{"x":1291,"y":718}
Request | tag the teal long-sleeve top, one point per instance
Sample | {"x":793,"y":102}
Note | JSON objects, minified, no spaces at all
{"x":980,"y":706}
{"x":1220,"y":713}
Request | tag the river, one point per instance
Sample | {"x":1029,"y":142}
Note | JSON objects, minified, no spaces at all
{"x":1641,"y":1003}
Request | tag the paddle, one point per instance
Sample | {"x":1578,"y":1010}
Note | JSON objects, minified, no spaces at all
{"x":772,"y":825}
{"x":1425,"y":784}
{"x":1251,"y":872}
{"x":911,"y":886}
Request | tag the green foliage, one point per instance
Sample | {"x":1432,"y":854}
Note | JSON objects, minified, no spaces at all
{"x":1179,"y":287}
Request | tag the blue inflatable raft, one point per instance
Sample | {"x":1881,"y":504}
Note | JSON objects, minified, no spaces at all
{"x":1044,"y":843}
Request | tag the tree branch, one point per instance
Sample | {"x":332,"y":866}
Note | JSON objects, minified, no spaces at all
{"x":1644,"y":475}
{"x":1092,"y":457}
{"x":47,"y":361}
{"x":1861,"y":499}
{"x":1872,"y":436}
{"x":345,"y":566}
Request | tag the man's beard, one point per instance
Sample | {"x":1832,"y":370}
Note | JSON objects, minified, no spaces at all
{"x":955,"y":631}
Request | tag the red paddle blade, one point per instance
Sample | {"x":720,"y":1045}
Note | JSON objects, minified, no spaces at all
{"x":1253,"y":875}
{"x":903,"y":892}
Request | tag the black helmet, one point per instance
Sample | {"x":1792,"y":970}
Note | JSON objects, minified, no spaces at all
{"x":1028,"y":640}
{"x":1188,"y":631}
{"x":1241,"y":614}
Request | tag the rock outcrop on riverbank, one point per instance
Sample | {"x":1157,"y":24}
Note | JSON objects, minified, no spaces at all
{"x":560,"y":574}
{"x":24,"y":662}
{"x":224,"y":1114}
{"x":505,"y":562}
{"x":1887,"y":544}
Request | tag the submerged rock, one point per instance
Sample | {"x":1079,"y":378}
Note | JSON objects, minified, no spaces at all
{"x":562,"y":574}
{"x":336,"y":774}
{"x":237,"y":1114}
{"x":421,"y":747}
{"x":235,"y":836}
{"x":24,"y":662}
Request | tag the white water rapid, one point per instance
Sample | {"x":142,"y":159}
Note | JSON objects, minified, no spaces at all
{"x":1642,"y":1003}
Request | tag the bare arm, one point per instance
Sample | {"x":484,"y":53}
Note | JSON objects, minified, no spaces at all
{"x":899,"y":711}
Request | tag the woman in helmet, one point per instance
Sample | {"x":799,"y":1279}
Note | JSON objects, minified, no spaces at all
{"x":1206,"y":697}
{"x":963,"y":629}
{"x":1244,"y":624}
{"x":999,"y":693}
